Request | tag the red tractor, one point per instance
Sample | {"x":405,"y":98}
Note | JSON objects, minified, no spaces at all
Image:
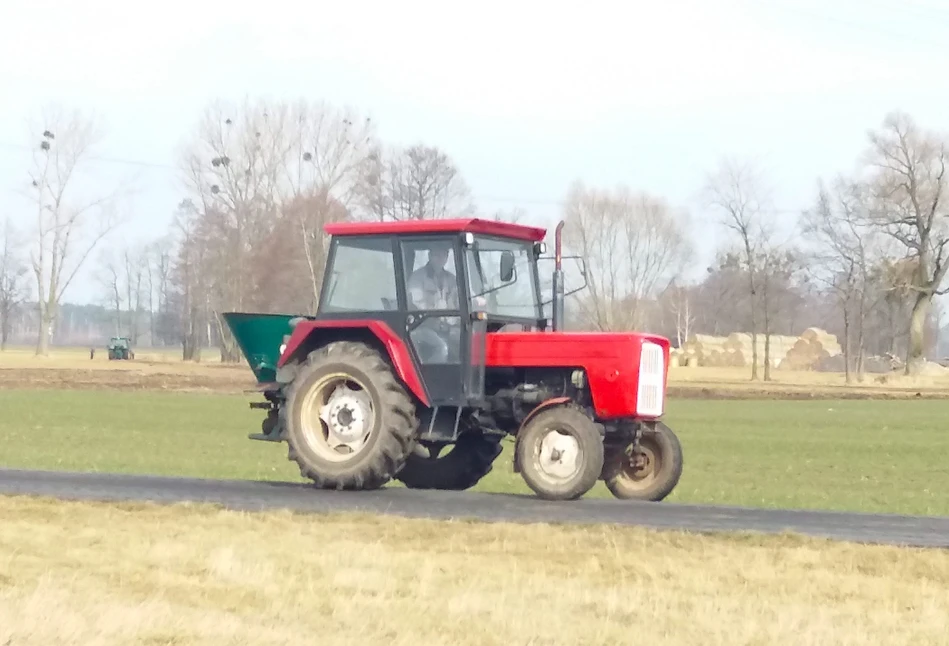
{"x":430,"y":346}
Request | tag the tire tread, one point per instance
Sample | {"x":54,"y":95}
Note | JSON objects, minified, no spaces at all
{"x":398,"y":424}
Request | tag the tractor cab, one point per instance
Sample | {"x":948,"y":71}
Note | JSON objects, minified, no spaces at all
{"x":440,"y":287}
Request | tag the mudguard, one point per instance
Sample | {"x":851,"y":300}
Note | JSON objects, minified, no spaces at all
{"x":300,"y":341}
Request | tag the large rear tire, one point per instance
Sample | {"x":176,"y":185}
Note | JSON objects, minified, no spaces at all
{"x":650,"y":476}
{"x":560,"y":452}
{"x":468,"y":461}
{"x":349,"y":421}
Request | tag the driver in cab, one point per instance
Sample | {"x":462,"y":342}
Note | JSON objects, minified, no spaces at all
{"x":431,"y":286}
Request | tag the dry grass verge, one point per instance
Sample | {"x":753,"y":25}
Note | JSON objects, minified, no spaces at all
{"x":95,"y":574}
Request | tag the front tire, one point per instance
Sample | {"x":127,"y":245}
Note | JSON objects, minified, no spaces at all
{"x":349,"y":422}
{"x":560,"y":452}
{"x":650,"y":476}
{"x":469,"y":460}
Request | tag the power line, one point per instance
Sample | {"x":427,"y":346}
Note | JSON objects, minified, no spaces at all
{"x":534,"y":201}
{"x":109,"y":160}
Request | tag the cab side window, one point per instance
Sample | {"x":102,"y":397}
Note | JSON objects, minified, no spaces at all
{"x":362,"y":277}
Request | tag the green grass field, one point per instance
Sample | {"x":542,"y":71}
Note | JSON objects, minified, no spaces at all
{"x":155,"y":574}
{"x":878,"y":456}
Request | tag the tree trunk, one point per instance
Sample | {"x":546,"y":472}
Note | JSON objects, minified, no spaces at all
{"x":230,"y":353}
{"x":767,"y":334}
{"x":46,"y":326}
{"x":767,"y":353}
{"x":191,"y":347}
{"x":848,"y":353}
{"x":916,"y":352}
{"x":861,"y":318}
{"x":754,"y":328}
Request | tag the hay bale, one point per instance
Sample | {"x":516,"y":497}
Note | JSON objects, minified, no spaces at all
{"x":705,"y":348}
{"x":735,"y":359}
{"x":738,"y":341}
{"x":811,"y":351}
{"x":825,"y":340}
{"x":805,"y":354}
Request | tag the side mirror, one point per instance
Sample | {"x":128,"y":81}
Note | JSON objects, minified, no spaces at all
{"x":507,"y":266}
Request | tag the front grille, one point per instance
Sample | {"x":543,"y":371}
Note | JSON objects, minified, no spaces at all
{"x":649,"y":398}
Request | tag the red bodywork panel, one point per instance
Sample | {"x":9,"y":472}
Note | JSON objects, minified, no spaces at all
{"x":401,"y":360}
{"x":458,"y":225}
{"x":611,"y":361}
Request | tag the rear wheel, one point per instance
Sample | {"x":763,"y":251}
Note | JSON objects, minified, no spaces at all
{"x":466,"y":463}
{"x":651,"y":473}
{"x":349,"y":422}
{"x":560,"y":452}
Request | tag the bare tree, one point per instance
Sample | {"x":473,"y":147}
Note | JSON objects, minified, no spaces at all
{"x":303,"y":219}
{"x":13,"y":288}
{"x":844,"y":252}
{"x":329,"y":158}
{"x":110,"y":272}
{"x":720,"y":301}
{"x":67,"y":226}
{"x":893,"y":289}
{"x":736,"y":191}
{"x":161,"y":273}
{"x":233,"y":165}
{"x":134,"y":261}
{"x":777,"y":266}
{"x":190,"y":278}
{"x":149,"y":267}
{"x":417,"y":183}
{"x":634,"y":244}
{"x":908,"y":187}
{"x":677,"y":303}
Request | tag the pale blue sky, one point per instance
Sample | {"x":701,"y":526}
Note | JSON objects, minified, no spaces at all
{"x":525,"y":98}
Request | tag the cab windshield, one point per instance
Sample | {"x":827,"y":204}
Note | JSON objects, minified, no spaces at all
{"x":515,"y":298}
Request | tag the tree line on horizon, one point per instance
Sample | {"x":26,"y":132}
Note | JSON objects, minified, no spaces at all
{"x":260,"y":180}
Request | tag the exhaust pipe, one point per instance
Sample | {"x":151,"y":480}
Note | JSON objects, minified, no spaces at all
{"x":558,"y":297}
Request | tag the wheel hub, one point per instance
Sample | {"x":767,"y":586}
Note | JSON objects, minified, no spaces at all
{"x":640,"y":464}
{"x":559,"y":455}
{"x":639,"y":460}
{"x":347,"y":415}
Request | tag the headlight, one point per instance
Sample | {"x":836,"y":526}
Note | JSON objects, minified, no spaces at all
{"x":283,"y":347}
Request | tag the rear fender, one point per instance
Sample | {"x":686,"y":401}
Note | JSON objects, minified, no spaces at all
{"x":544,"y":405}
{"x":309,"y":334}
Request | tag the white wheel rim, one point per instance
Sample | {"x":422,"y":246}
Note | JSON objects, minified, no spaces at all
{"x":558,"y":456}
{"x":337,"y":417}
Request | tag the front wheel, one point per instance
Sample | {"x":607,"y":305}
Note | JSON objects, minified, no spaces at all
{"x":651,"y":473}
{"x":561,"y":453}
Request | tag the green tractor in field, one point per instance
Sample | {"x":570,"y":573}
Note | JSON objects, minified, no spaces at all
{"x":120,"y":349}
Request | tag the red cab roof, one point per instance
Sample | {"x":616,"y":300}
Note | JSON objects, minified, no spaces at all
{"x":459,"y":225}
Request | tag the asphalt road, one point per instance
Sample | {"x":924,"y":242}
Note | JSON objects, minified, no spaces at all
{"x":246,"y":495}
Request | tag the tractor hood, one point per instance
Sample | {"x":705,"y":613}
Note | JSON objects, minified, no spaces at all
{"x":627,"y":371}
{"x":260,"y":337}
